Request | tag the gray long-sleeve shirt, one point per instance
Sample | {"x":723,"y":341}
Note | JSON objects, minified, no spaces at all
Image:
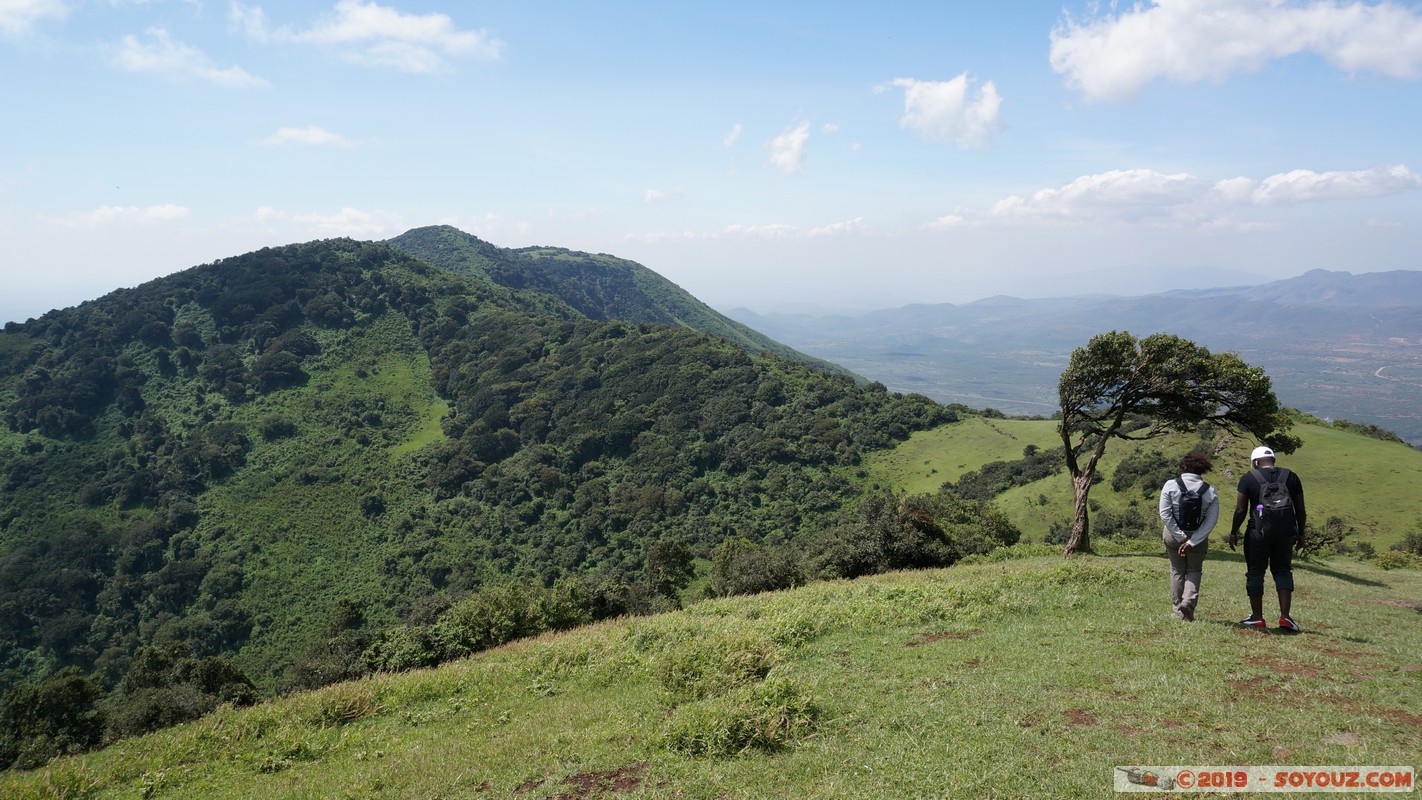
{"x":1170,"y":504}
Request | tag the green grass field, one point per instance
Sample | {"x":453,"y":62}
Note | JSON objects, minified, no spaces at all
{"x":1370,"y":484}
{"x":921,"y":464}
{"x":1019,"y":678}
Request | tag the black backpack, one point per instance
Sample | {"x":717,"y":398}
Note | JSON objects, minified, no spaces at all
{"x":1192,"y":506}
{"x":1274,"y":513}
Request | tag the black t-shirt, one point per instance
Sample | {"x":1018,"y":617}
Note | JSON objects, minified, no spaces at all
{"x":1249,"y":487}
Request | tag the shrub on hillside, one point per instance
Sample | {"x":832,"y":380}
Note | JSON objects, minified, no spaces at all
{"x":765,"y":715}
{"x":740,"y":566}
{"x":1411,"y":542}
{"x":58,"y":716}
{"x":904,"y":532}
{"x":165,"y":685}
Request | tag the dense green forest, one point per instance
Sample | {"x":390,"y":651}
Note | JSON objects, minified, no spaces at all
{"x":252,"y":474}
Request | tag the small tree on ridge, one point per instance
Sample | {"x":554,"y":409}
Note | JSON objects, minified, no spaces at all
{"x":1174,"y":383}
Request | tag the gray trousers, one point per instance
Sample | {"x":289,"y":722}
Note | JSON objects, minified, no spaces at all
{"x":1185,"y":576}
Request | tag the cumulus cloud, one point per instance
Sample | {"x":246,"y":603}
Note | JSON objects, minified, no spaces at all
{"x":945,"y":111}
{"x":662,"y":195}
{"x":1128,"y":194}
{"x":160,"y":53}
{"x":1110,"y":58}
{"x":139,"y":215}
{"x":787,"y":151}
{"x":492,"y":226}
{"x":18,"y":16}
{"x":352,"y":222}
{"x":310,"y":135}
{"x":1150,"y":196}
{"x":1302,"y":185}
{"x":380,"y":36}
{"x":731,"y":137}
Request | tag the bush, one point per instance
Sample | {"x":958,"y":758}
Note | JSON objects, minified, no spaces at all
{"x":401,"y":649}
{"x":1394,"y":559}
{"x":58,"y":716}
{"x":489,"y":618}
{"x":765,"y":715}
{"x":705,"y":666}
{"x":740,"y":566}
{"x":1411,"y":542}
{"x":165,"y":685}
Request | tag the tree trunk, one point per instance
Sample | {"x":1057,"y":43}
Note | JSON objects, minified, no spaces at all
{"x":1080,"y":539}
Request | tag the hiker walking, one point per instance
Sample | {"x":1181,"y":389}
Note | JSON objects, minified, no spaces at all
{"x":1190,"y":507}
{"x":1272,"y":498}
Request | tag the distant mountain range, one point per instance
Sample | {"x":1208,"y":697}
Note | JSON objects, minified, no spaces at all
{"x":1335,"y":344}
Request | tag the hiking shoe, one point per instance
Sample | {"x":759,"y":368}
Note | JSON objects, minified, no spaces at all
{"x":1288,"y":624}
{"x":1254,"y":622}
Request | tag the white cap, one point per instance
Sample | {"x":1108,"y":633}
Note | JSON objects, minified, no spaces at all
{"x":1261,"y":452}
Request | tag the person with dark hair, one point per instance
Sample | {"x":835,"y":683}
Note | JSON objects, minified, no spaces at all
{"x":1190,"y":507}
{"x":1276,"y":526}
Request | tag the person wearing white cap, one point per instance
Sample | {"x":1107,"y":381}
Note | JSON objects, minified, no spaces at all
{"x":1276,"y":526}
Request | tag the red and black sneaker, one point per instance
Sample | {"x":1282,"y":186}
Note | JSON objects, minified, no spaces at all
{"x":1288,"y":624}
{"x":1254,"y":622}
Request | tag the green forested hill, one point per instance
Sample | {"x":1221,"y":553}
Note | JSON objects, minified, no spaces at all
{"x":249,"y":457}
{"x":600,"y":287}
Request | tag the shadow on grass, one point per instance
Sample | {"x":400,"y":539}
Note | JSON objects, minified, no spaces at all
{"x":1223,"y":554}
{"x":1243,"y":631}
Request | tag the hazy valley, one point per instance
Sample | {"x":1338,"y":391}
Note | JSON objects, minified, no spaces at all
{"x":1336,"y":345}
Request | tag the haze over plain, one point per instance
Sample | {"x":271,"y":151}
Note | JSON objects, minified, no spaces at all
{"x":755,"y":155}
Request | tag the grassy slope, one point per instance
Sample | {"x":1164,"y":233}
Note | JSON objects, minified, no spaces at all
{"x":1032,"y":677}
{"x":1369,"y":483}
{"x":303,"y":513}
{"x":922,"y":464}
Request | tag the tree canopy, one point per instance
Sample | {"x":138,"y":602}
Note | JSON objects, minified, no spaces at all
{"x":1121,"y":387}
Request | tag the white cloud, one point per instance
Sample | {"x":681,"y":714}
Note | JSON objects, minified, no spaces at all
{"x":380,"y":36}
{"x":1111,"y":58}
{"x":17,"y":16}
{"x":310,"y":135}
{"x":1303,"y":185}
{"x":662,"y":195}
{"x":145,"y":215}
{"x":730,"y":138}
{"x":161,"y":54}
{"x":787,"y":151}
{"x":942,"y":111}
{"x":1149,"y":196}
{"x":836,"y":228}
{"x":1127,"y":194}
{"x":830,"y":127}
{"x":492,"y":226}
{"x":352,"y":222}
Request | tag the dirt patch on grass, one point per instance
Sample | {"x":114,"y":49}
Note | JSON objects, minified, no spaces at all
{"x":1243,"y":686}
{"x":1411,"y":605}
{"x":1398,"y":715}
{"x":1130,"y":730}
{"x":950,"y":636}
{"x":627,"y":778}
{"x":1274,"y":665}
{"x":1078,"y":717}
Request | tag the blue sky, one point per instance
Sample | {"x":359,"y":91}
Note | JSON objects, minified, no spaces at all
{"x":758,"y":154}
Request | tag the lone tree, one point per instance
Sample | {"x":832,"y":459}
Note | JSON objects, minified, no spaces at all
{"x":1174,"y":384}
